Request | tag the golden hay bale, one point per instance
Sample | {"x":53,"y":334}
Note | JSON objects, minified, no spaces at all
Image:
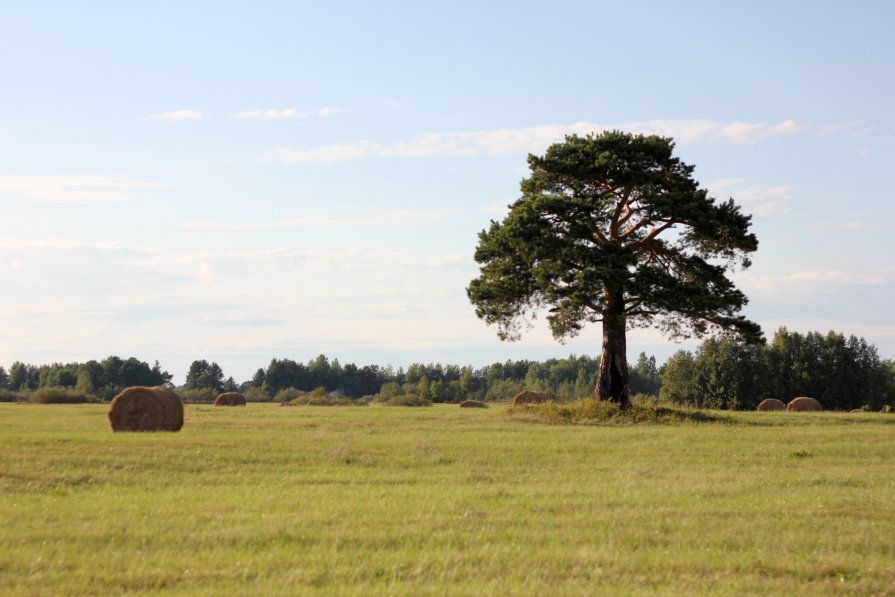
{"x":230,"y":399}
{"x":771,"y":404}
{"x":146,"y":409}
{"x":530,"y":397}
{"x":473,"y":404}
{"x":803,"y":404}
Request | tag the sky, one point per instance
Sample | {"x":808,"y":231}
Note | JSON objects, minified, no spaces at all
{"x":242,"y":181}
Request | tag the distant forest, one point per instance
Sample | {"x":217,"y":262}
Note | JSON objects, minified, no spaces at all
{"x":843,"y":373}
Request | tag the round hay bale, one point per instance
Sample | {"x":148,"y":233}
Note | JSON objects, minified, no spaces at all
{"x":146,"y":409}
{"x":230,"y":399}
{"x":530,"y":397}
{"x":473,"y":404}
{"x":771,"y":404}
{"x":803,"y":404}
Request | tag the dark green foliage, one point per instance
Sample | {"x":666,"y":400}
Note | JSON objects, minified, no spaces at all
{"x":103,"y":379}
{"x":320,"y":372}
{"x":23,"y":377}
{"x":613,"y":228}
{"x":203,"y":374}
{"x":51,"y":395}
{"x":841,"y":373}
{"x":644,"y":376}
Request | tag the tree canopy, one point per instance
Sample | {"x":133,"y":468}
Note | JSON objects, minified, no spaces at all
{"x":613,"y":228}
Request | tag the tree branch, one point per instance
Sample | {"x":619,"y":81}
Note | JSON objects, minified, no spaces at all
{"x":649,"y":237}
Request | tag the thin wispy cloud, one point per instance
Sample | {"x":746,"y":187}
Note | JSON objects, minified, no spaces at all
{"x":761,"y":201}
{"x":854,"y":226}
{"x":77,"y":189}
{"x":288,"y":113}
{"x":177,"y":115}
{"x":530,"y":139}
{"x":272,"y":114}
{"x":331,"y":111}
{"x":395,"y":217}
{"x":810,"y":285}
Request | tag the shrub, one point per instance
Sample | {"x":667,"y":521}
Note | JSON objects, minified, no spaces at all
{"x":256,"y":394}
{"x":311,"y":399}
{"x":198,"y":395}
{"x":52,"y":395}
{"x":407,"y":400}
{"x":287,"y":395}
{"x":8,"y":395}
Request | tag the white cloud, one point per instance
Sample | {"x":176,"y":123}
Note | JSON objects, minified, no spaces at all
{"x":177,"y":115}
{"x":762,"y":201}
{"x":272,"y":114}
{"x":88,"y":188}
{"x":847,"y":227}
{"x":533,"y":139}
{"x":20,"y":246}
{"x":331,"y":111}
{"x":288,"y":113}
{"x":389,"y":218}
{"x":809,"y":286}
{"x":872,"y":332}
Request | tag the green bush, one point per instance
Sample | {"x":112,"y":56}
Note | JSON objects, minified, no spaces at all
{"x":320,"y":397}
{"x":198,"y":395}
{"x":256,"y":394}
{"x":311,"y":400}
{"x":407,"y":400}
{"x":8,"y":395}
{"x":287,"y":395}
{"x":54,"y":395}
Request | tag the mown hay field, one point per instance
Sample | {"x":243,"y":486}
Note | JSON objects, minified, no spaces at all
{"x":347,"y":501}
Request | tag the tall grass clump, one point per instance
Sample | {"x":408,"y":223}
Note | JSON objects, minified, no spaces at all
{"x":54,"y":395}
{"x":592,"y":411}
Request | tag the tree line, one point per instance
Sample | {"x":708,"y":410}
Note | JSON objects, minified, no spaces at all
{"x":843,"y":373}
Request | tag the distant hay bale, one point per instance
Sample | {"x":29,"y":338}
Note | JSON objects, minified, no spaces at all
{"x":804,"y":404}
{"x":771,"y":404}
{"x":230,"y":399}
{"x":146,"y":409}
{"x":530,"y":397}
{"x":473,"y":404}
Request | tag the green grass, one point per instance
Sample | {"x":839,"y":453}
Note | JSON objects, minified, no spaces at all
{"x":443,"y":500}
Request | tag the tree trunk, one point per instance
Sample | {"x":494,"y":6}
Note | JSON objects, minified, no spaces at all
{"x":613,"y":382}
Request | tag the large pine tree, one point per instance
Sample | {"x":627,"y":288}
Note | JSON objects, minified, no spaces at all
{"x":613,"y":228}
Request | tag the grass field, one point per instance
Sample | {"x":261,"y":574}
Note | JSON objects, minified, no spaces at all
{"x":442,"y":500}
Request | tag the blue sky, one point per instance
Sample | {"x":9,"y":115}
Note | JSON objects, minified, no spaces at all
{"x":241,"y":181}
